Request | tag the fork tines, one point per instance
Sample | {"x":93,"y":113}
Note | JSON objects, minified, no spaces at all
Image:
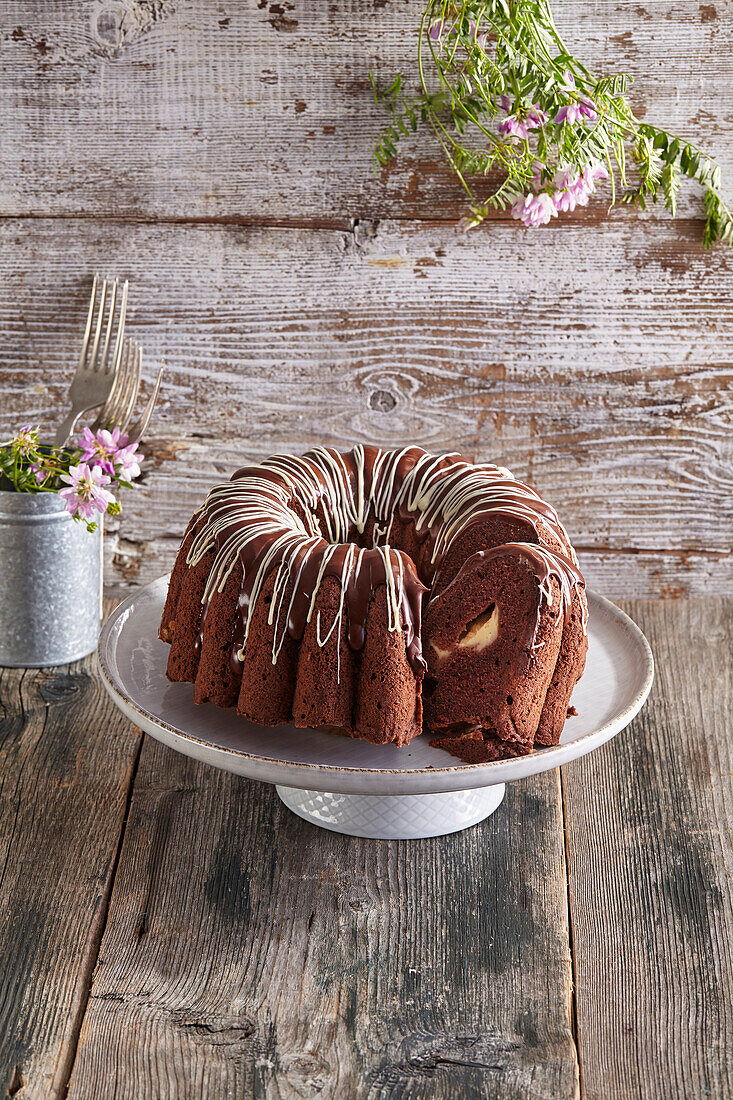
{"x":110,"y":289}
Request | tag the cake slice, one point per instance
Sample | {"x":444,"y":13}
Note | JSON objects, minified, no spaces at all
{"x":492,"y":640}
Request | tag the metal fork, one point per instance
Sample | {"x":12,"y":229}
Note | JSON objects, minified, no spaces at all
{"x":95,"y":375}
{"x":118,"y":409}
{"x":137,"y":431}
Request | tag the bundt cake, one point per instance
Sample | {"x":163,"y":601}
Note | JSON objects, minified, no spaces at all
{"x":299,"y":589}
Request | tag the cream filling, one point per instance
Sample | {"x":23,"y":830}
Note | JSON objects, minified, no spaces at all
{"x":481,"y":633}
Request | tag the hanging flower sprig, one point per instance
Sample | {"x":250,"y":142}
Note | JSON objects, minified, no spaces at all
{"x":504,"y":96}
{"x":86,"y":474}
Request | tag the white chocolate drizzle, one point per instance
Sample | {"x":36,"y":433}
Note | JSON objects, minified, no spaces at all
{"x":305,"y":518}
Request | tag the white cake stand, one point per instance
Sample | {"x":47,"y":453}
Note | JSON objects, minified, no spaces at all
{"x":351,"y":786}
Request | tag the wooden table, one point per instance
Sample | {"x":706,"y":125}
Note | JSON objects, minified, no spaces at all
{"x":167,"y":930}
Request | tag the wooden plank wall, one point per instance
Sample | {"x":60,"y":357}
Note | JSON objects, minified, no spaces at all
{"x":217,"y":154}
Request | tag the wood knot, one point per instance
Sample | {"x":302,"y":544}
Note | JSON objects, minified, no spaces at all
{"x":61,"y":687}
{"x":382,"y":400}
{"x":108,"y":27}
{"x":306,"y":1072}
{"x":117,"y":23}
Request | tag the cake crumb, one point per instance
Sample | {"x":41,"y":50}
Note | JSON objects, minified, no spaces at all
{"x":572,"y":712}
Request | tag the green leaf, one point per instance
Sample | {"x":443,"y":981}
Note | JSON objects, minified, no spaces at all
{"x":670,"y":187}
{"x":393,"y":89}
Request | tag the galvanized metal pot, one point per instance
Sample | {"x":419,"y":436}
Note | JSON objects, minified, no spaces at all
{"x":50,"y":582}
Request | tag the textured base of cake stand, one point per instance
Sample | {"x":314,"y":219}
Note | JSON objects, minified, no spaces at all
{"x":393,"y":817}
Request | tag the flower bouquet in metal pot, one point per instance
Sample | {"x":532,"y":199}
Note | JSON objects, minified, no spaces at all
{"x":86,"y":475}
{"x":54,"y":494}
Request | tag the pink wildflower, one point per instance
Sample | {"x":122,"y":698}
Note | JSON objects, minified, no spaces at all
{"x":574,"y":189}
{"x":128,"y":461}
{"x":588,"y":108}
{"x":586,"y":182}
{"x":439,"y":28}
{"x":25,"y":441}
{"x":504,"y":102}
{"x":101,"y":448}
{"x":514,"y":127}
{"x":595,"y":171}
{"x":534,"y":210}
{"x":570,"y":113}
{"x":111,"y":452}
{"x":480,"y":37}
{"x":576,"y":112}
{"x":566,"y":201}
{"x":86,"y":494}
{"x":536,"y":117}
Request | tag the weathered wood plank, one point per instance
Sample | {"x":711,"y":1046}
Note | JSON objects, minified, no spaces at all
{"x":211,"y":109}
{"x":616,"y":402}
{"x":66,"y":764}
{"x":649,"y":822}
{"x":249,"y":954}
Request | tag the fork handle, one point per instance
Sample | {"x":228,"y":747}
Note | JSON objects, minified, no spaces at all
{"x":67,"y":428}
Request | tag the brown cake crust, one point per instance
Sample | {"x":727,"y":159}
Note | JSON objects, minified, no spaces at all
{"x":568,"y":670}
{"x":183,"y":659}
{"x":180,"y":569}
{"x":267,"y":687}
{"x":480,"y":746}
{"x":388,"y":708}
{"x":325,"y":686}
{"x":219,"y":676}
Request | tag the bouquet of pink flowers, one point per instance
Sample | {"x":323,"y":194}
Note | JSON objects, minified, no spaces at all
{"x":505,"y":98}
{"x":87,"y":474}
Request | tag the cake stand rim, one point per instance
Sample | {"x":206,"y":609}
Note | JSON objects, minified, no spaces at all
{"x":353,"y":780}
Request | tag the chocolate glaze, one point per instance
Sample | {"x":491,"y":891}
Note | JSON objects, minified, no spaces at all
{"x":304,"y":519}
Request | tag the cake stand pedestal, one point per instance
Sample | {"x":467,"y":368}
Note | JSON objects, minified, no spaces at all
{"x":349,"y":785}
{"x":393,"y":817}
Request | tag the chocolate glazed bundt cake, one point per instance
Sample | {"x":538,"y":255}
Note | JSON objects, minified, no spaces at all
{"x":299,"y":588}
